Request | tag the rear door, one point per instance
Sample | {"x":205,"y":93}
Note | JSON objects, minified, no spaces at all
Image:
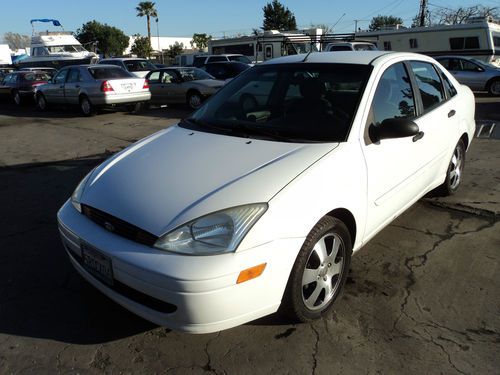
{"x":72,"y":86}
{"x":157,"y":94}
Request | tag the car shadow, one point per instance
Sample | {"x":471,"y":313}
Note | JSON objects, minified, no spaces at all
{"x":41,"y":295}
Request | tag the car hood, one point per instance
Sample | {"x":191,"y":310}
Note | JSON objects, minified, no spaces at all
{"x":178,"y":175}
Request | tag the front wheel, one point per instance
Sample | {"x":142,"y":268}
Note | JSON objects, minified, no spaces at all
{"x":194,"y":100}
{"x":455,"y":171}
{"x":494,"y":87}
{"x":320,"y":271}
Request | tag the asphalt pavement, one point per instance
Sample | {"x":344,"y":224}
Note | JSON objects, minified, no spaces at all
{"x":421,"y":297}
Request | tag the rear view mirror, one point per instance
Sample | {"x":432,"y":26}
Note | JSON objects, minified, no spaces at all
{"x":393,"y":128}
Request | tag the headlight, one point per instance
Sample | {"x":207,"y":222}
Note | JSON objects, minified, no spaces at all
{"x":219,"y":232}
{"x":77,"y":194}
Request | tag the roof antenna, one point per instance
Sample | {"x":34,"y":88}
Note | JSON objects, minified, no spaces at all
{"x":308,"y":53}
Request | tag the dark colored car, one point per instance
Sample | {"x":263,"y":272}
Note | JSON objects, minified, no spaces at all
{"x":21,"y":85}
{"x":225,"y":69}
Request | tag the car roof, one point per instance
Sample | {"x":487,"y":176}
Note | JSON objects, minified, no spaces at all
{"x":344,"y":57}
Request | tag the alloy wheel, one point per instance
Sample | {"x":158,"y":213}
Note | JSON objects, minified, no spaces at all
{"x":456,"y":167}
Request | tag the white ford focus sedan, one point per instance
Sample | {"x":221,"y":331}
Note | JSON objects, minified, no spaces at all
{"x":257,"y":201}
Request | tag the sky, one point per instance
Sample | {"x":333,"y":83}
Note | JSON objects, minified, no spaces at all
{"x":215,"y":17}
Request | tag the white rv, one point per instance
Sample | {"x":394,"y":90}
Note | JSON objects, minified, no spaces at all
{"x":478,"y":38}
{"x":5,"y":58}
{"x":267,"y":45}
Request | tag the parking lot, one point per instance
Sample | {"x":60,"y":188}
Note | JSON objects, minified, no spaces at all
{"x":421,"y":297}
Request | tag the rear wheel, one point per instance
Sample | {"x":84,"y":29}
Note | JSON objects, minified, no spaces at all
{"x":41,"y":102}
{"x":194,"y":100}
{"x":16,"y":96}
{"x":134,"y":108}
{"x":455,"y":171}
{"x":494,"y":87}
{"x":86,"y":107}
{"x":320,"y":271}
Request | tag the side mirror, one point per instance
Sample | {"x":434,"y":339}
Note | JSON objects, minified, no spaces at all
{"x":393,"y":128}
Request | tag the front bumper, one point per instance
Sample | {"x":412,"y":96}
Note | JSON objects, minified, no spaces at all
{"x":196,"y":294}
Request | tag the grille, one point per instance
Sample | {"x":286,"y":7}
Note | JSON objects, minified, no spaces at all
{"x":118,"y":226}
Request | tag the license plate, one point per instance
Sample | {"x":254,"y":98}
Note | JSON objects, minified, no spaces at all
{"x":97,"y":263}
{"x":128,"y":86}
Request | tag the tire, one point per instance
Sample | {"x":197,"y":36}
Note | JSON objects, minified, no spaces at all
{"x":41,"y":102}
{"x":315,"y":284}
{"x":194,"y":100}
{"x":454,"y":172}
{"x":134,"y":108}
{"x":86,"y":107}
{"x":17,"y":98}
{"x":494,"y":87}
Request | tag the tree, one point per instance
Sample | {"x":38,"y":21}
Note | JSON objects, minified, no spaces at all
{"x":16,"y":41}
{"x":111,"y":41}
{"x":200,"y":41}
{"x":147,"y":8}
{"x":278,"y":17}
{"x":460,"y":15}
{"x":380,"y":21}
{"x":175,"y":49}
{"x":142,"y":46}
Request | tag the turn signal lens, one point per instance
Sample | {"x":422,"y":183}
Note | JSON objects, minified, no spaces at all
{"x":251,"y":273}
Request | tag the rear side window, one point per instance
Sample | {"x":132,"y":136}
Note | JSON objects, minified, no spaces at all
{"x":217,"y":58}
{"x":108,"y":73}
{"x":37,"y":77}
{"x":340,"y":48}
{"x":154,"y":77}
{"x":429,"y":84}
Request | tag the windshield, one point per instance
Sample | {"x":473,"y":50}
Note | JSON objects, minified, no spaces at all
{"x":194,"y":74}
{"x":242,"y":59}
{"x":287,"y":102}
{"x":66,"y":48}
{"x":37,"y":77}
{"x":138,"y":65}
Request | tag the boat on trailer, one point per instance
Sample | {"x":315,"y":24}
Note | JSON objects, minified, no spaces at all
{"x":55,"y":49}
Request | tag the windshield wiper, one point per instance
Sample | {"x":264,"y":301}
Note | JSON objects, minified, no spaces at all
{"x":260,"y":131}
{"x":205,"y":125}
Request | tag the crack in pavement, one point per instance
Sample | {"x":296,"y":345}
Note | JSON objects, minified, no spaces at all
{"x":208,"y":366}
{"x":445,"y":352}
{"x":58,"y":358}
{"x":315,"y":350}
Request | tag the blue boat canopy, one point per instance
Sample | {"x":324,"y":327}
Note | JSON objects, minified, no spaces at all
{"x":54,"y":22}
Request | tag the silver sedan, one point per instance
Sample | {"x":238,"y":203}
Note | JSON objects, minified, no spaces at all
{"x":93,"y":86}
{"x":182,"y":85}
{"x":479,"y":76}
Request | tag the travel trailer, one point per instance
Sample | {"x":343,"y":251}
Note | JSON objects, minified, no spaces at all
{"x":478,"y":38}
{"x":267,"y":45}
{"x":56,"y":49}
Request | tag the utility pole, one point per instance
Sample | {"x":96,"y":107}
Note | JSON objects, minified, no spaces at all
{"x":422,"y":12}
{"x":356,"y":24}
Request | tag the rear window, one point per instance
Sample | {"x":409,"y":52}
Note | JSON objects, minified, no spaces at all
{"x":108,"y":73}
{"x":340,"y":48}
{"x":138,"y":65}
{"x":37,"y":77}
{"x":242,"y":59}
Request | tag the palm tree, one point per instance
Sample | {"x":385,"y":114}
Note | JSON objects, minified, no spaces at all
{"x":147,"y":8}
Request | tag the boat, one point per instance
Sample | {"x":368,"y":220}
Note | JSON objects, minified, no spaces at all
{"x":55,"y":49}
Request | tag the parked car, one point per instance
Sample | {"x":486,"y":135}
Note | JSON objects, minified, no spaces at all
{"x":225,"y":69}
{"x":350,"y":46}
{"x":201,"y":60}
{"x":21,"y":85}
{"x":92,"y":87}
{"x":479,"y":76}
{"x":245,"y":207}
{"x":181,"y":85}
{"x":135,"y":66}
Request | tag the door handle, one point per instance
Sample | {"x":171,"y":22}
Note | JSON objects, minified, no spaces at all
{"x":418,"y":136}
{"x":451,"y":113}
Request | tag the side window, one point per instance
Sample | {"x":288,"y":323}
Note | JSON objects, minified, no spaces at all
{"x":169,"y":77}
{"x":61,"y":76}
{"x":445,"y":63}
{"x":74,"y":75}
{"x":154,"y":77}
{"x":394,"y":96}
{"x":429,"y":84}
{"x":448,"y":86}
{"x":468,"y":66}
